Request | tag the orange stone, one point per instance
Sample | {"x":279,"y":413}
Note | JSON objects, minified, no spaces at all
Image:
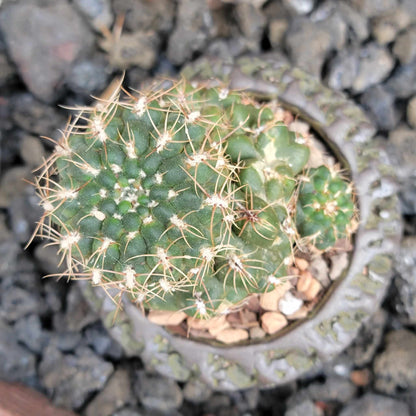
{"x":166,"y":317}
{"x":269,"y":301}
{"x":232,"y":335}
{"x":272,"y":322}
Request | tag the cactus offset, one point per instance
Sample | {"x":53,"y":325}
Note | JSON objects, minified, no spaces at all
{"x":188,"y":198}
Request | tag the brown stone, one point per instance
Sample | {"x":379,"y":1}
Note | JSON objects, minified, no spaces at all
{"x":271,"y":322}
{"x":166,"y":317}
{"x":19,"y":400}
{"x":232,"y":335}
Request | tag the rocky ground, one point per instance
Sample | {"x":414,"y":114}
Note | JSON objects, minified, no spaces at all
{"x":60,"y":52}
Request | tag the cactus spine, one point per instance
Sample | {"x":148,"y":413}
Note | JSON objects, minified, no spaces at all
{"x":188,"y":198}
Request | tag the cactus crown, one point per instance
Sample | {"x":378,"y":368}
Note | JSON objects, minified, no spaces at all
{"x":188,"y":198}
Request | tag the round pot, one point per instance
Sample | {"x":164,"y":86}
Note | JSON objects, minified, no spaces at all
{"x":351,"y":300}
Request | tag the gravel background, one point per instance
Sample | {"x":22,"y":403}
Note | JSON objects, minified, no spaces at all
{"x":60,"y":52}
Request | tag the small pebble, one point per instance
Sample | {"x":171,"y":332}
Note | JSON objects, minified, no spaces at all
{"x":289,"y":304}
{"x":231,"y":335}
{"x":166,"y":317}
{"x":411,"y":112}
{"x":271,"y":322}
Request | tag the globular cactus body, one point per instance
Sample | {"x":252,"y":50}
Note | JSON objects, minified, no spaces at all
{"x":188,"y":198}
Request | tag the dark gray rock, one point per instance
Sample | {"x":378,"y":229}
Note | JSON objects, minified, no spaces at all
{"x":24,"y":213}
{"x":375,"y":405}
{"x":31,"y":150}
{"x":35,"y":117}
{"x":380,"y":104}
{"x":334,"y":389}
{"x":89,"y":76}
{"x":70,"y":379}
{"x":308,"y":45}
{"x":7,"y":70}
{"x":9,"y":250}
{"x":368,"y":340}
{"x":157,"y":393}
{"x":78,"y":313}
{"x":29,"y":332}
{"x":98,"y":338}
{"x":394,"y":367}
{"x":357,"y":23}
{"x":251,"y":22}
{"x":329,"y":18}
{"x":48,"y":259}
{"x":15,"y":303}
{"x":343,"y":70}
{"x":246,"y":400}
{"x":115,"y":395}
{"x":65,"y":341}
{"x":304,"y":408}
{"x":216,"y":403}
{"x":401,"y":148}
{"x":359,"y":69}
{"x":402,"y":82}
{"x":12,"y":184}
{"x":17,"y":364}
{"x":405,"y":283}
{"x":144,"y":15}
{"x":192,"y":30}
{"x":405,"y":46}
{"x":138,"y":48}
{"x":98,"y":12}
{"x":55,"y":36}
{"x":196,"y":391}
{"x":128,"y":411}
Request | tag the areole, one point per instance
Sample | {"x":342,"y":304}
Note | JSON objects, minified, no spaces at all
{"x":350,"y":301}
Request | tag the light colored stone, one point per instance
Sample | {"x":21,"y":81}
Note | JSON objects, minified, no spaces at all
{"x":166,"y":317}
{"x":232,"y":335}
{"x":269,"y":301}
{"x":289,"y":304}
{"x":405,"y":46}
{"x":271,"y":322}
{"x":257,"y":332}
{"x":277,"y":30}
{"x":411,"y":112}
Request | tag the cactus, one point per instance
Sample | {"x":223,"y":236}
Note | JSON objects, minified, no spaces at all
{"x":188,"y":197}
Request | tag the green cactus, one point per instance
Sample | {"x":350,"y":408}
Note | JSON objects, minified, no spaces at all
{"x":188,"y":198}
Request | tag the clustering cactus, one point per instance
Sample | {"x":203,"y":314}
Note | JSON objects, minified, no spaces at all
{"x":188,"y":197}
